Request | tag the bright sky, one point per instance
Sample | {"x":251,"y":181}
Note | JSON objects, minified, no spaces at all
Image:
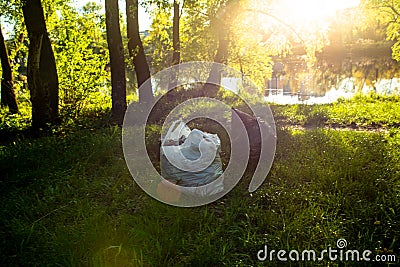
{"x":296,"y":10}
{"x":144,"y":18}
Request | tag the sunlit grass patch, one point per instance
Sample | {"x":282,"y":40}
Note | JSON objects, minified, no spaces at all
{"x":362,"y":110}
{"x":72,"y":201}
{"x":69,"y":199}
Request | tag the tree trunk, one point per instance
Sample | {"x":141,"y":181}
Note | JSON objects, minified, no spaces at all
{"x":117,"y":61}
{"x":214,"y":79}
{"x":176,"y":56}
{"x":42,"y":71}
{"x":223,"y":44}
{"x":136,"y":52}
{"x":7,"y":93}
{"x":211,"y":87}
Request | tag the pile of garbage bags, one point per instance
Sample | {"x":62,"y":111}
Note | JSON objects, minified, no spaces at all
{"x":190,"y":158}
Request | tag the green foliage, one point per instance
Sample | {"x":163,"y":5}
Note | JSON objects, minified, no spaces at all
{"x":198,"y":36}
{"x":159,"y":41}
{"x":386,"y":12}
{"x":17,"y":122}
{"x":250,"y":55}
{"x":81,"y":56}
{"x":393,"y":33}
{"x":13,"y":128}
{"x":80,"y":48}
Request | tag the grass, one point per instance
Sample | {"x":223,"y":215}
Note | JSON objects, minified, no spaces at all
{"x":67,"y":199}
{"x":363,"y":110}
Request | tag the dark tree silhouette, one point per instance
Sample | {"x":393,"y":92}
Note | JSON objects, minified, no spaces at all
{"x":136,"y":52}
{"x":176,"y":56}
{"x":7,"y":92}
{"x":211,"y":87}
{"x":42,"y":71}
{"x":117,"y":61}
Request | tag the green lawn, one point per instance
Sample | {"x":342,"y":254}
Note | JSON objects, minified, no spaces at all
{"x":362,"y":111}
{"x":67,"y":199}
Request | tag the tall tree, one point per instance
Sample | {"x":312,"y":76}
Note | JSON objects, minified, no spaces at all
{"x":117,"y":61}
{"x":42,"y":71}
{"x":176,"y":54}
{"x":7,"y":93}
{"x":136,"y":52}
{"x":211,"y":87}
{"x":386,"y":12}
{"x":176,"y":43}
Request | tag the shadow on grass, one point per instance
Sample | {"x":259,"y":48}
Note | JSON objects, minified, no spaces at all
{"x":71,"y":201}
{"x":14,"y":129}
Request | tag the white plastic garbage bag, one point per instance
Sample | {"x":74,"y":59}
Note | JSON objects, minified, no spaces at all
{"x":190,"y":158}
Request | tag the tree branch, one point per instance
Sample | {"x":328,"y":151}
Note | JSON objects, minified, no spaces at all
{"x":181,"y":12}
{"x":280,"y":21}
{"x":393,"y":9}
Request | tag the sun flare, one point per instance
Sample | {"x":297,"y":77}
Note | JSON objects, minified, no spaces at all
{"x":310,"y":10}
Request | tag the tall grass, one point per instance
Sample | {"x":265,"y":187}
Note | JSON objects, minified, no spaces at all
{"x":71,"y":201}
{"x":362,"y":110}
{"x":68,"y":199}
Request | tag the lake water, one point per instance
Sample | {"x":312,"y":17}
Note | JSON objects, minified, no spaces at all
{"x":346,"y":90}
